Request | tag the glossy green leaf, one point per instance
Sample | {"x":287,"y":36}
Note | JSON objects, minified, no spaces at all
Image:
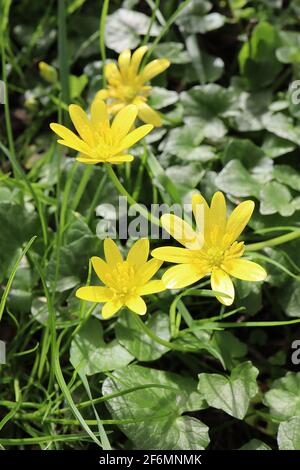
{"x":155,"y":409}
{"x":137,"y":342}
{"x":283,"y":398}
{"x":233,"y":393}
{"x":288,"y":436}
{"x":91,"y":354}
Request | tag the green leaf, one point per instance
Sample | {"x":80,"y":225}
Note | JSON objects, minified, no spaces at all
{"x":137,"y":342}
{"x":283,"y":398}
{"x":249,"y":296}
{"x":186,"y":177}
{"x":184,"y":142}
{"x":287,"y":175}
{"x":213,"y":66}
{"x":257,"y":58}
{"x":289,"y":52}
{"x":124,"y":27}
{"x":243,"y":150}
{"x":230,"y":348}
{"x":236,"y":180}
{"x":233,"y":393}
{"x":282,"y":126}
{"x":78,"y":246}
{"x":174,"y":51}
{"x":276,"y":197}
{"x":193,"y":18}
{"x":157,"y":409}
{"x":77,"y":85}
{"x":288,"y":436}
{"x":20,"y":294}
{"x":18,"y":223}
{"x":161,"y":179}
{"x":161,"y":98}
{"x":290,"y":299}
{"x":91,"y":355}
{"x":207,"y":68}
{"x":248,"y":109}
{"x":255,"y":444}
{"x":206,"y":101}
{"x":220,"y":344}
{"x":275,"y":146}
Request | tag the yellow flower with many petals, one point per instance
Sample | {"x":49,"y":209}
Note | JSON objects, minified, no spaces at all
{"x":126,"y":84}
{"x":100,"y":142}
{"x":211,"y":250}
{"x":125,"y":281}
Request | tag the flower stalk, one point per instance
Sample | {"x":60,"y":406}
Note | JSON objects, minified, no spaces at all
{"x":273,"y":241}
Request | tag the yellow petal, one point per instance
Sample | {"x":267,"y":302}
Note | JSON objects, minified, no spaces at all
{"x":111,"y":308}
{"x":173,"y":254}
{"x":120,"y":158}
{"x":115,"y":107}
{"x":217,"y":211}
{"x":69,"y":138}
{"x":148,"y":115}
{"x":217,"y":218}
{"x":89,"y":160}
{"x":137,"y":305}
{"x":221,"y":282}
{"x":181,"y":275}
{"x":245,"y":270}
{"x":147,"y":271}
{"x":71,"y":145}
{"x":101,"y":268}
{"x":138,"y":253}
{"x":238,"y":219}
{"x":201,"y":212}
{"x":152,"y":287}
{"x":94,"y":293}
{"x":135,"y":136}
{"x":112,"y":72}
{"x":124,"y":62}
{"x":154,"y":68}
{"x":136,"y":59}
{"x":102,"y":94}
{"x":99,"y":113}
{"x":81,"y":123}
{"x":112,"y":252}
{"x":182,"y":231}
{"x":124,"y":121}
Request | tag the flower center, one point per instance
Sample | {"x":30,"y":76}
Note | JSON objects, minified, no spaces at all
{"x":214,"y":257}
{"x":106,"y":143}
{"x":121,"y":280}
{"x":129,"y":92}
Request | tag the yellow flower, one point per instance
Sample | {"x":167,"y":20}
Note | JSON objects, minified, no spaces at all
{"x":126,"y":84}
{"x":99,"y":141}
{"x":125,"y":281}
{"x":212,"y":249}
{"x":48,"y":72}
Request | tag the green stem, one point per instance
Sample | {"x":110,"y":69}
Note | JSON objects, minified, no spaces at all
{"x":138,"y":183}
{"x":17,"y":168}
{"x":255,"y":323}
{"x":154,"y":10}
{"x":156,"y":338}
{"x":55,"y":362}
{"x":165,"y":29}
{"x":12,"y":275}
{"x":142,"y":210}
{"x":63,"y":52}
{"x":102,"y":38}
{"x":94,"y":202}
{"x":273,"y":241}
